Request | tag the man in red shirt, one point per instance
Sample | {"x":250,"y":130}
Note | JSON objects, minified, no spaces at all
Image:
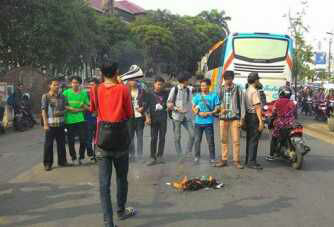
{"x":114,"y":105}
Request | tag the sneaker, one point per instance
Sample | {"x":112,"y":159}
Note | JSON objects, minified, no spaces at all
{"x":196,"y":161}
{"x":152,"y":162}
{"x":212,"y":161}
{"x":127,"y":213}
{"x":270,"y":158}
{"x":255,"y":166}
{"x":47,"y":168}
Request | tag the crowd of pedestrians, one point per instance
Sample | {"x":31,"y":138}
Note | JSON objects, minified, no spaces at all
{"x":106,"y":106}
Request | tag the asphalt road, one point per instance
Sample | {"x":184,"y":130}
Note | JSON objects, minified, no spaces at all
{"x":276,"y":196}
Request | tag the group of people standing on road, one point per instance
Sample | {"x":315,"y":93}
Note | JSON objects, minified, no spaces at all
{"x":112,"y":102}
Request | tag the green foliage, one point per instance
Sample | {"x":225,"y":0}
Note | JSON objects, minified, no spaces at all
{"x":63,"y":36}
{"x":303,"y":51}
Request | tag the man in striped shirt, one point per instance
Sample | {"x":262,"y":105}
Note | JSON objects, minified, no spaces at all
{"x":53,"y":110}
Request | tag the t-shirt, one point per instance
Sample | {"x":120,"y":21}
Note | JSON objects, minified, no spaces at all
{"x":75,"y":100}
{"x":114,"y":103}
{"x":55,"y":109}
{"x":212,"y":100}
{"x":157,"y":106}
{"x":252,"y":99}
{"x":135,"y":102}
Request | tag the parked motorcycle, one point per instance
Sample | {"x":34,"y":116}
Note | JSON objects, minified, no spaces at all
{"x":330,"y":111}
{"x":290,"y":144}
{"x":22,"y":119}
{"x":2,"y":113}
{"x":330,"y":107}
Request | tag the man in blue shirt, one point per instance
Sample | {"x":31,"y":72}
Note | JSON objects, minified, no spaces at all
{"x":205,"y":106}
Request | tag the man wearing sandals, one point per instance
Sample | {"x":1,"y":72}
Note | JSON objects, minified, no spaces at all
{"x":231,"y":97}
{"x":113,"y":104}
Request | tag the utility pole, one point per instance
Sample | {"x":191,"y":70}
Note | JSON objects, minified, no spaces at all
{"x":329,"y":53}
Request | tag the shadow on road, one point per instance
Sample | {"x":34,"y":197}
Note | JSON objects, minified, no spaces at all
{"x":40,"y":200}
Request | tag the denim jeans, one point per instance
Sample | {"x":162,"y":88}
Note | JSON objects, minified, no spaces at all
{"x":210,"y":137}
{"x":105,"y":170}
{"x":136,"y":127}
{"x":188,"y":125}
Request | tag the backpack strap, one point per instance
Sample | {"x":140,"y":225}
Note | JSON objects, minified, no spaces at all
{"x":176,"y":91}
{"x":188,"y":94}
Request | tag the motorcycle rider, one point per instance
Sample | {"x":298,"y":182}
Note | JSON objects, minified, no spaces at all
{"x":321,"y":98}
{"x":284,"y":117}
{"x":307,"y":101}
{"x":330,"y":101}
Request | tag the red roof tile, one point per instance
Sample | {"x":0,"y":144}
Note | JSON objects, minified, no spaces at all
{"x":128,"y":7}
{"x":97,"y":4}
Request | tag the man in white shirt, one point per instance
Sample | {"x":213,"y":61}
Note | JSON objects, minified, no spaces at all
{"x":180,"y":106}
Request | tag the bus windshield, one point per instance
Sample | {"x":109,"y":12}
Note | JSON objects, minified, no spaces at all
{"x":266,"y":49}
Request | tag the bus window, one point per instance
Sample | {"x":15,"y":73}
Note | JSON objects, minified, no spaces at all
{"x":252,"y":49}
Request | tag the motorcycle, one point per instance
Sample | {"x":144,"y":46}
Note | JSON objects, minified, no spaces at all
{"x":309,"y":106}
{"x":2,"y":113}
{"x":330,"y":108}
{"x":290,"y":145}
{"x":22,"y":119}
{"x":322,"y":111}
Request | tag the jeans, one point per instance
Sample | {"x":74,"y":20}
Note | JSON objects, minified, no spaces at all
{"x":158,"y":131}
{"x":253,"y":137}
{"x":209,"y":133}
{"x":188,"y":125}
{"x":72,"y":131}
{"x":121,"y":166}
{"x":136,"y":127}
{"x":234,"y":127}
{"x":58,"y":134}
{"x":91,"y":131}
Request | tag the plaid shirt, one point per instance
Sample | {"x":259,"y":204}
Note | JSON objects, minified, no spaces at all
{"x":229,"y":102}
{"x":55,"y":109}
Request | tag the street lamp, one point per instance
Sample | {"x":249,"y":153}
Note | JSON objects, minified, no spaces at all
{"x":329,"y":52}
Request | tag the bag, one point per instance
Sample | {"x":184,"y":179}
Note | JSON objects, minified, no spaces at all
{"x":112,"y":137}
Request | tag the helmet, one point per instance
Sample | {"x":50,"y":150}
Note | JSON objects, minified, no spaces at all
{"x":285,"y":92}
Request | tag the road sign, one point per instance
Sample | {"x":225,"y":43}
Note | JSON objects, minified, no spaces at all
{"x":320,"y":58}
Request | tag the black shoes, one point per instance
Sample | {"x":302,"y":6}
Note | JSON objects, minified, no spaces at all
{"x":47,"y":168}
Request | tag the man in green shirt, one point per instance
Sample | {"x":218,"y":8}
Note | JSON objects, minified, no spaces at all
{"x":77,"y":103}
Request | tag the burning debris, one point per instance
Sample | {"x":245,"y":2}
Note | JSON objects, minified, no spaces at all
{"x":195,"y":184}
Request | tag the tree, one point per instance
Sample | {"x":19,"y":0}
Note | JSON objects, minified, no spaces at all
{"x":57,"y":35}
{"x":217,"y":17}
{"x":157,"y":42}
{"x":303,"y":52}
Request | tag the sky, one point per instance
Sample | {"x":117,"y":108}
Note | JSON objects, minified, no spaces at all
{"x":259,"y":15}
